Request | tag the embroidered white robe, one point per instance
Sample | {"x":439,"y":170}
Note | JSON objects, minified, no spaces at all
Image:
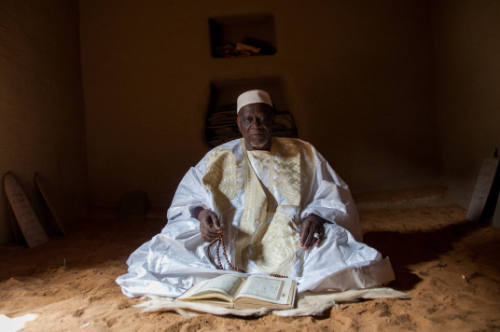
{"x":259,"y":197}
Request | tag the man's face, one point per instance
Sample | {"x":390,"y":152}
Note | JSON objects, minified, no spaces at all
{"x":255,"y":122}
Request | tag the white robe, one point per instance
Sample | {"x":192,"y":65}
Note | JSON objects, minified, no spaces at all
{"x":175,"y":259}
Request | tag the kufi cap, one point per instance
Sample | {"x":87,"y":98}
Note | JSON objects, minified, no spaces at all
{"x":253,"y":97}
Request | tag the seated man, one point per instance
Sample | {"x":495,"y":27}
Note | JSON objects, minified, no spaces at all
{"x":259,"y":204}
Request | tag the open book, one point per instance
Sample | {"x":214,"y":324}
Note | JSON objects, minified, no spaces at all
{"x":232,"y":291}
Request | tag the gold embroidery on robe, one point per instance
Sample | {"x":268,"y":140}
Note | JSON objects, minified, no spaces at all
{"x":220,"y":178}
{"x":267,"y":233}
{"x":288,"y":170}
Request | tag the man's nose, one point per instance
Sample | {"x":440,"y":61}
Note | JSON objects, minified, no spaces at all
{"x":256,"y":123}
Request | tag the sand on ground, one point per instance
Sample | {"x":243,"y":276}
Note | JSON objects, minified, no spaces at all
{"x":448,"y":266}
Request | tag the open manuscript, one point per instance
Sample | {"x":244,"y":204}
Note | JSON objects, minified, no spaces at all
{"x":232,"y":291}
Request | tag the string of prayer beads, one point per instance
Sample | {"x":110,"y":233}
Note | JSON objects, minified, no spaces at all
{"x":219,"y":240}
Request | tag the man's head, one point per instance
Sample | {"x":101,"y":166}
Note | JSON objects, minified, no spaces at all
{"x":255,"y":119}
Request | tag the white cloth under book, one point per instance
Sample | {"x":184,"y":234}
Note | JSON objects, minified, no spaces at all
{"x":259,"y":197}
{"x":308,"y":304}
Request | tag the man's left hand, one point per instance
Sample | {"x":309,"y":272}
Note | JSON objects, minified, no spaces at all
{"x":312,"y":231}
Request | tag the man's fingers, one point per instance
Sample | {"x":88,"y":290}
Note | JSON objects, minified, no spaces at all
{"x":212,"y":234}
{"x":207,"y":235}
{"x":304,"y":231}
{"x":209,"y":225}
{"x":208,"y":238}
{"x":214,"y":221}
{"x":321,"y":235}
{"x":317,"y":240}
{"x":209,"y":217}
{"x":309,"y":241}
{"x":212,"y":230}
{"x":311,"y":234}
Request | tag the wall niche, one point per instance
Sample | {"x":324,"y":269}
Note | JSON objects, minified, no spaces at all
{"x":242,"y":35}
{"x":221,"y":116}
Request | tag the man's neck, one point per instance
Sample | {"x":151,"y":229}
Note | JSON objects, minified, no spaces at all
{"x":267,"y":147}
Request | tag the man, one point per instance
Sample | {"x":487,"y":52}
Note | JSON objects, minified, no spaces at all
{"x":272,"y":205}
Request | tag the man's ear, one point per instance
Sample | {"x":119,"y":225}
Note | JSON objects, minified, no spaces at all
{"x":238,"y":123}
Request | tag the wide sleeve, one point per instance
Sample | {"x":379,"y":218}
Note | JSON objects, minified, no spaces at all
{"x":190,"y":194}
{"x":329,"y":197}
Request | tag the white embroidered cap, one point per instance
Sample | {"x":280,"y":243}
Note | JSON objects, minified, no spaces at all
{"x":253,"y":97}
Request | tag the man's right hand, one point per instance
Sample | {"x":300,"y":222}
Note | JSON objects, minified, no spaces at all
{"x":209,"y":225}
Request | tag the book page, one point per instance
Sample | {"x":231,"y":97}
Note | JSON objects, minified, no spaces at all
{"x":266,"y":288}
{"x":225,"y":284}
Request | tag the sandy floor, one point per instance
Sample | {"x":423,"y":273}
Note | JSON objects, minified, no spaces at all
{"x":449,"y":267}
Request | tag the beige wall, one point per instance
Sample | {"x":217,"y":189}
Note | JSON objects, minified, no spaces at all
{"x":467,"y":53}
{"x":357,"y":74}
{"x":367,"y":86}
{"x":41,"y":105}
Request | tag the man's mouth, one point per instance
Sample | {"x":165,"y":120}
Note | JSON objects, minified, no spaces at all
{"x":258,"y":133}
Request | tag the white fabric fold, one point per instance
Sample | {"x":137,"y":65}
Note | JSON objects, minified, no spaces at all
{"x":177,"y":258}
